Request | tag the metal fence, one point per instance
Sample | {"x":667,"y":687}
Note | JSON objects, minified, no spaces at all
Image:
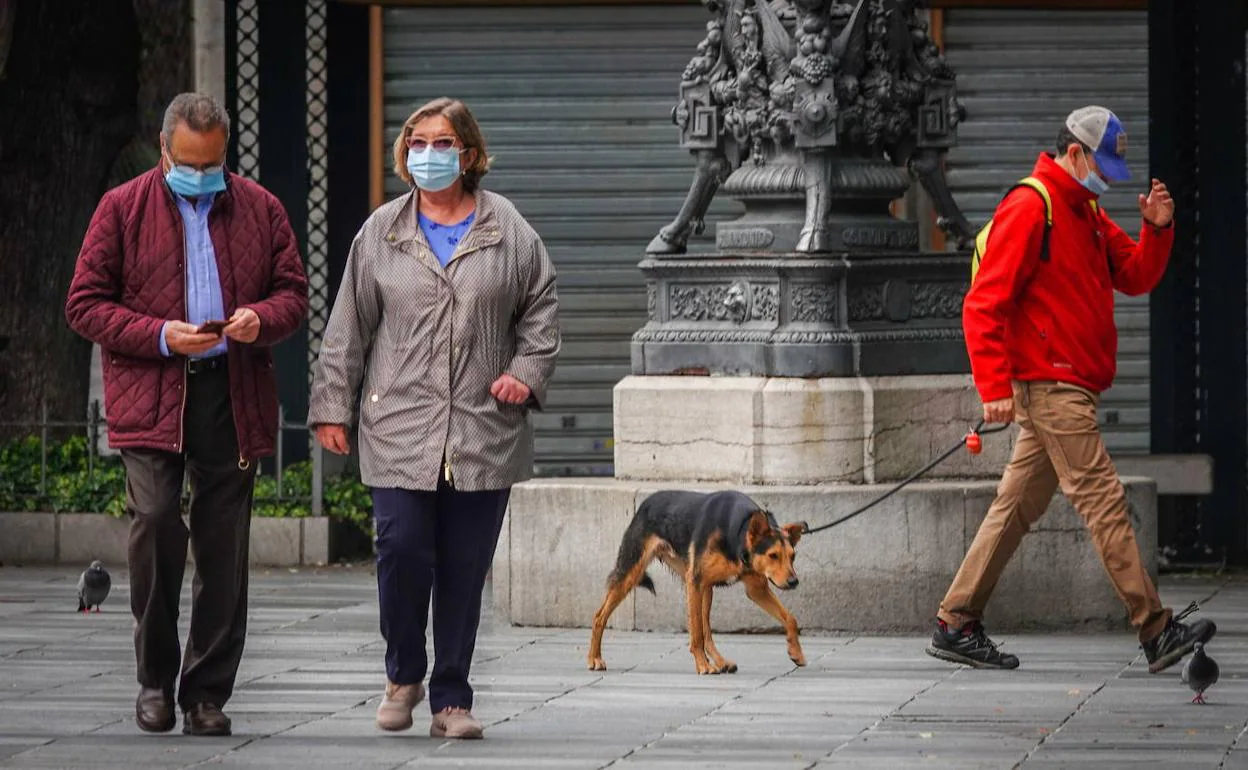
{"x":94,"y":425}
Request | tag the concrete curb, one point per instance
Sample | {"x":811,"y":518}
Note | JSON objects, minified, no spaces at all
{"x":78,"y":538}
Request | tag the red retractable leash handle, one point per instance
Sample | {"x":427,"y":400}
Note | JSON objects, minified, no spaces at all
{"x":974,"y":444}
{"x":972,"y":441}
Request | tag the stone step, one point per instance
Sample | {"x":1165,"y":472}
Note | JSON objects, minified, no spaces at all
{"x":883,"y":572}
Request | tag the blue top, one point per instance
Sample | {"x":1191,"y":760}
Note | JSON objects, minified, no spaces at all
{"x":444,"y":238}
{"x":203,"y":282}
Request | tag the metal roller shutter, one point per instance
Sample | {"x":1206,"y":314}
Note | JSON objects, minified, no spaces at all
{"x":575,"y":103}
{"x":1019,"y":74}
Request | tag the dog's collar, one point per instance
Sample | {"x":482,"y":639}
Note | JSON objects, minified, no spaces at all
{"x":743,"y":553}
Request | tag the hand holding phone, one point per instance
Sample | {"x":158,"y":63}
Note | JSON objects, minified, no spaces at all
{"x":187,"y":339}
{"x":211,"y":327}
{"x":243,"y":326}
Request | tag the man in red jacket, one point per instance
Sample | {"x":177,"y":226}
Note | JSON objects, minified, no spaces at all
{"x":166,"y":255}
{"x":1039,"y":327}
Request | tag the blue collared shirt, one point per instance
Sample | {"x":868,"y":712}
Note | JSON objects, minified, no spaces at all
{"x":203,"y":282}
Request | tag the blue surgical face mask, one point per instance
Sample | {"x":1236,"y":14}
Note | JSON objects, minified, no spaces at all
{"x":1093,"y":181}
{"x":190,"y":183}
{"x":433,"y":170}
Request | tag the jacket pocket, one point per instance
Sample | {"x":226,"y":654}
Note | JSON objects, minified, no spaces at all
{"x":1050,"y":349}
{"x":265,"y":379}
{"x":132,"y":390}
{"x":1067,"y":412}
{"x":513,"y":414}
{"x":396,"y":371}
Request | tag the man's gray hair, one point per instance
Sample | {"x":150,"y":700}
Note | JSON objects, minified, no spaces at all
{"x":200,"y":112}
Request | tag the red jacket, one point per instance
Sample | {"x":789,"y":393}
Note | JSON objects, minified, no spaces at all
{"x":131,"y":278}
{"x":1030,"y":320}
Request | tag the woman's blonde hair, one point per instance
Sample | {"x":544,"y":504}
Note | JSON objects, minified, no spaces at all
{"x":466,"y":130}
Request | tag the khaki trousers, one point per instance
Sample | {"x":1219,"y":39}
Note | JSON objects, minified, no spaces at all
{"x":1059,"y":444}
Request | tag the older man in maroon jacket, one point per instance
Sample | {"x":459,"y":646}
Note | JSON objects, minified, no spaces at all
{"x":188,"y":275}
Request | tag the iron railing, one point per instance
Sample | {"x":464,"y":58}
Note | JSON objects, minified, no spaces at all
{"x":93,"y":427}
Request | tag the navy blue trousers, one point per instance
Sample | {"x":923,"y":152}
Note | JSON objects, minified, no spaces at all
{"x":435,"y":545}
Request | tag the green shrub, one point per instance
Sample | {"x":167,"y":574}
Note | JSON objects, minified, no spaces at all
{"x":77,"y":484}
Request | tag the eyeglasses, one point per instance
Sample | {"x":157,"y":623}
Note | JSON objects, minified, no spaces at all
{"x":182,"y":168}
{"x":419,"y":143}
{"x":186,"y":168}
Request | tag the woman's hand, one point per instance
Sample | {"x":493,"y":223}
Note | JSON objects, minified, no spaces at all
{"x":509,"y":390}
{"x":334,"y":438}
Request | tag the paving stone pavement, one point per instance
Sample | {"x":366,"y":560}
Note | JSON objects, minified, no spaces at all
{"x":312,"y":675}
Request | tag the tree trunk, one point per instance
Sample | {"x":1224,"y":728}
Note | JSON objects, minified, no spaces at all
{"x":68,"y":105}
{"x":164,"y":72}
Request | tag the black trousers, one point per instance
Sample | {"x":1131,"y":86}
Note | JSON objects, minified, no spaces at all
{"x":220,"y":527}
{"x":440,"y":545}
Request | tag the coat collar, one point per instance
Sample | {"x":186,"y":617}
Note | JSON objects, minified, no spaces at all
{"x":484,"y":232}
{"x":1060,"y":183}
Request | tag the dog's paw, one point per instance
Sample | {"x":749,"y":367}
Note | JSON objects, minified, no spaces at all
{"x":798,"y":659}
{"x":704,"y":667}
{"x":597,"y":664}
{"x":728,"y":667}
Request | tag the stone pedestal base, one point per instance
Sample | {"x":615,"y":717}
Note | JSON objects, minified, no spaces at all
{"x":761,"y":430}
{"x":802,"y":315}
{"x":885,"y":571}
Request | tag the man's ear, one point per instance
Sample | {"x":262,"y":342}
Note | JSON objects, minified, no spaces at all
{"x":794,"y":531}
{"x":758,"y":529}
{"x":1078,"y":151}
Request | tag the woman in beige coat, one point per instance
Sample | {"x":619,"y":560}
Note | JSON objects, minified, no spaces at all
{"x":444,"y":335}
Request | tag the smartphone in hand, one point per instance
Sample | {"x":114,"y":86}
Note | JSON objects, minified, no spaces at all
{"x":211,"y":327}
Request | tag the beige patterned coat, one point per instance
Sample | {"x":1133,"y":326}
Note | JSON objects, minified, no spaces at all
{"x":426,"y":343}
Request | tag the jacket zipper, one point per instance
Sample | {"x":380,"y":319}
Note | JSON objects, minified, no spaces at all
{"x":243,"y":462}
{"x":423,"y":251}
{"x":186,"y":310}
{"x":447,"y":473}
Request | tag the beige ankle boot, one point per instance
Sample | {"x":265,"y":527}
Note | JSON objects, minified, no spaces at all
{"x":395,"y":711}
{"x":453,"y":722}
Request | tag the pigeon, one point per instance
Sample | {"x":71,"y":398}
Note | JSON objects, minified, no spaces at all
{"x":93,"y":587}
{"x":1200,"y":672}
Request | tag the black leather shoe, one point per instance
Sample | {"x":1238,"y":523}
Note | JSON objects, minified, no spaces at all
{"x":205,"y":719}
{"x":153,"y":711}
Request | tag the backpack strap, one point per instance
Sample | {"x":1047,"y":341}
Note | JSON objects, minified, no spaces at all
{"x":1038,"y":186}
{"x":981,"y":240}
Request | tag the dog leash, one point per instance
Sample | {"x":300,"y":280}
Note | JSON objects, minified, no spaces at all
{"x":971,"y":441}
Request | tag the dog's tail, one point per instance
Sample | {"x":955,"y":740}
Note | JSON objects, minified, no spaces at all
{"x":632,"y":551}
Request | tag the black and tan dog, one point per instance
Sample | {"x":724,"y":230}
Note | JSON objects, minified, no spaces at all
{"x":709,"y":540}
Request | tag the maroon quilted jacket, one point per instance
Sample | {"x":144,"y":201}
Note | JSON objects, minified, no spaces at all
{"x":130,"y":279}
